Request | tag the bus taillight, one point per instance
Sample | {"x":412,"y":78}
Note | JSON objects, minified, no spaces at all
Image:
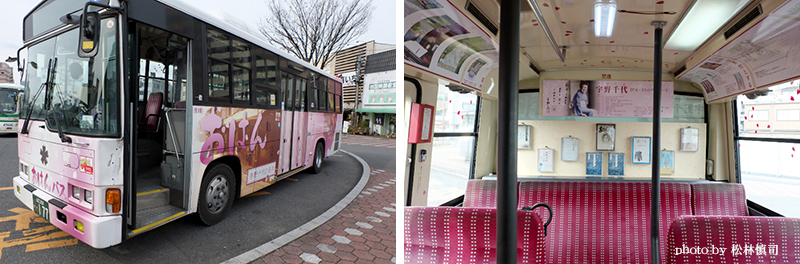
{"x":112,"y":200}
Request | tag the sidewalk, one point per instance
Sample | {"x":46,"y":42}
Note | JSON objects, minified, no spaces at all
{"x":364,"y":232}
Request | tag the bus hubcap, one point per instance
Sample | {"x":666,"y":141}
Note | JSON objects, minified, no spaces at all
{"x":217,"y":194}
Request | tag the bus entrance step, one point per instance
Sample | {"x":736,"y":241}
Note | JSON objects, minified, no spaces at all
{"x":149,"y":199}
{"x":145,"y":219}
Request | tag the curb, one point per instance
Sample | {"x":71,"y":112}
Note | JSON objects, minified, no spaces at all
{"x":284,"y":239}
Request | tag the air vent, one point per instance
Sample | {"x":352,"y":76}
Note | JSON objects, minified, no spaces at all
{"x":536,"y":70}
{"x":680,"y":70}
{"x":753,"y":14}
{"x":476,"y":11}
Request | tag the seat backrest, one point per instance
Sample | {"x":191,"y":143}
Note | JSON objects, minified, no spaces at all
{"x":466,"y":235}
{"x":481,"y":193}
{"x":606,"y":222}
{"x":152,"y":111}
{"x":734,"y":239}
{"x":719,"y":199}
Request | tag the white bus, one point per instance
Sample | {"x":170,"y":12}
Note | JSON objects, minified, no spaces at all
{"x":9,"y":107}
{"x":140,"y":112}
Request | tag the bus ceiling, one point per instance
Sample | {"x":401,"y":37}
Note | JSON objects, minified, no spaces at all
{"x":457,"y":41}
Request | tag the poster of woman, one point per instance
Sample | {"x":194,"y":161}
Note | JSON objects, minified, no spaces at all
{"x":580,"y":101}
{"x":592,"y":98}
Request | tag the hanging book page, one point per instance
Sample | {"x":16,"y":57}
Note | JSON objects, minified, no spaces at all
{"x":667,"y":162}
{"x":524,"y":137}
{"x":594,"y":163}
{"x":546,"y":160}
{"x":689,"y":139}
{"x":569,"y":149}
{"x":616,"y":164}
{"x":605,"y":137}
{"x":640,"y":150}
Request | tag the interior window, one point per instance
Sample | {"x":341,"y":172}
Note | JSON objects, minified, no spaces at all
{"x":768,"y":142}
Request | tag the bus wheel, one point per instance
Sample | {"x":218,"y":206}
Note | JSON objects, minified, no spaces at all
{"x":318,"y":152}
{"x":216,"y":194}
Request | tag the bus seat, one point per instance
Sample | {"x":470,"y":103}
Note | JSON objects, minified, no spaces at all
{"x":481,"y":193}
{"x":745,"y":239}
{"x":152,"y":113}
{"x":466,"y":235}
{"x":603,"y":222}
{"x":719,"y":199}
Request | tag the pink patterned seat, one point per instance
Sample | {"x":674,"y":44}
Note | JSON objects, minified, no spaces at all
{"x":701,"y":239}
{"x":603,"y":222}
{"x":481,"y":193}
{"x":719,"y":199}
{"x":466,"y":235}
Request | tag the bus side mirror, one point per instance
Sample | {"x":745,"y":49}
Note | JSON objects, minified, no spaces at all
{"x":89,"y":34}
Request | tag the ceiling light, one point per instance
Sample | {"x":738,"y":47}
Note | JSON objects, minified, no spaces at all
{"x":701,"y":21}
{"x":604,"y":13}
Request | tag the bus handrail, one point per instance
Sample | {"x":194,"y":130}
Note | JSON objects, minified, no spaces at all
{"x":172,"y":134}
{"x":549,"y":209}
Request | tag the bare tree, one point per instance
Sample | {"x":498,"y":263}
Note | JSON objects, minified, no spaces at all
{"x":313,"y":30}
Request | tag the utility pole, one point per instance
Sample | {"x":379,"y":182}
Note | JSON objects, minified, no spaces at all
{"x":361,"y":63}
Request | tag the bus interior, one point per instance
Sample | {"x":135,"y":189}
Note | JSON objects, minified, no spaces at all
{"x":558,"y":108}
{"x":160,"y":179}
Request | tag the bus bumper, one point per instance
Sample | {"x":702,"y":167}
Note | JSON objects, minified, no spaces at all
{"x":98,"y":232}
{"x":8,"y":127}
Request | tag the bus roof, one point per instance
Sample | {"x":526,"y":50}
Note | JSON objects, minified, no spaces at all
{"x":216,"y":22}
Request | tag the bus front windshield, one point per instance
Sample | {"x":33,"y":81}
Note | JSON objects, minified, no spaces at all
{"x":8,"y":101}
{"x":83,"y":91}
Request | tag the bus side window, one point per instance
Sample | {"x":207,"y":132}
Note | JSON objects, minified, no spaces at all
{"x":218,"y":67}
{"x":322,"y":102}
{"x":337,"y":103}
{"x":266,"y":96}
{"x":312,"y":100}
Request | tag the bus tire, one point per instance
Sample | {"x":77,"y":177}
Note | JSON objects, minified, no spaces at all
{"x":319,"y":152}
{"x":216,"y":194}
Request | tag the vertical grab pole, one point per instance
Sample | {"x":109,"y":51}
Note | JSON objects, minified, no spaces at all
{"x":656,"y":152}
{"x":507,"y":132}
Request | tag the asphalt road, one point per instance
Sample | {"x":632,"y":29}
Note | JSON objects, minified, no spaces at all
{"x":380,"y":158}
{"x":253,"y":221}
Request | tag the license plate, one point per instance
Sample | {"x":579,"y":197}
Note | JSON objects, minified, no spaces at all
{"x":41,"y":207}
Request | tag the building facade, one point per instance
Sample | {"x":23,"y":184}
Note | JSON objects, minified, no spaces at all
{"x":345,"y":65}
{"x":6,"y":73}
{"x":379,"y":95}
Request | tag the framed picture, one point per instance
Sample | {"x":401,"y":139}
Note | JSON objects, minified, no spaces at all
{"x":640,"y":150}
{"x":594,"y":163}
{"x":569,"y":149}
{"x":524,"y":137}
{"x":546,"y":160}
{"x":616,"y":164}
{"x":667,"y":162}
{"x":689,"y":139}
{"x":605,"y":137}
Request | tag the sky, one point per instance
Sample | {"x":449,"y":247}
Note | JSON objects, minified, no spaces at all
{"x":248,"y":11}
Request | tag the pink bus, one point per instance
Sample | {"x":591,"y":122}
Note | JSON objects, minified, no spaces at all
{"x":162,"y":111}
